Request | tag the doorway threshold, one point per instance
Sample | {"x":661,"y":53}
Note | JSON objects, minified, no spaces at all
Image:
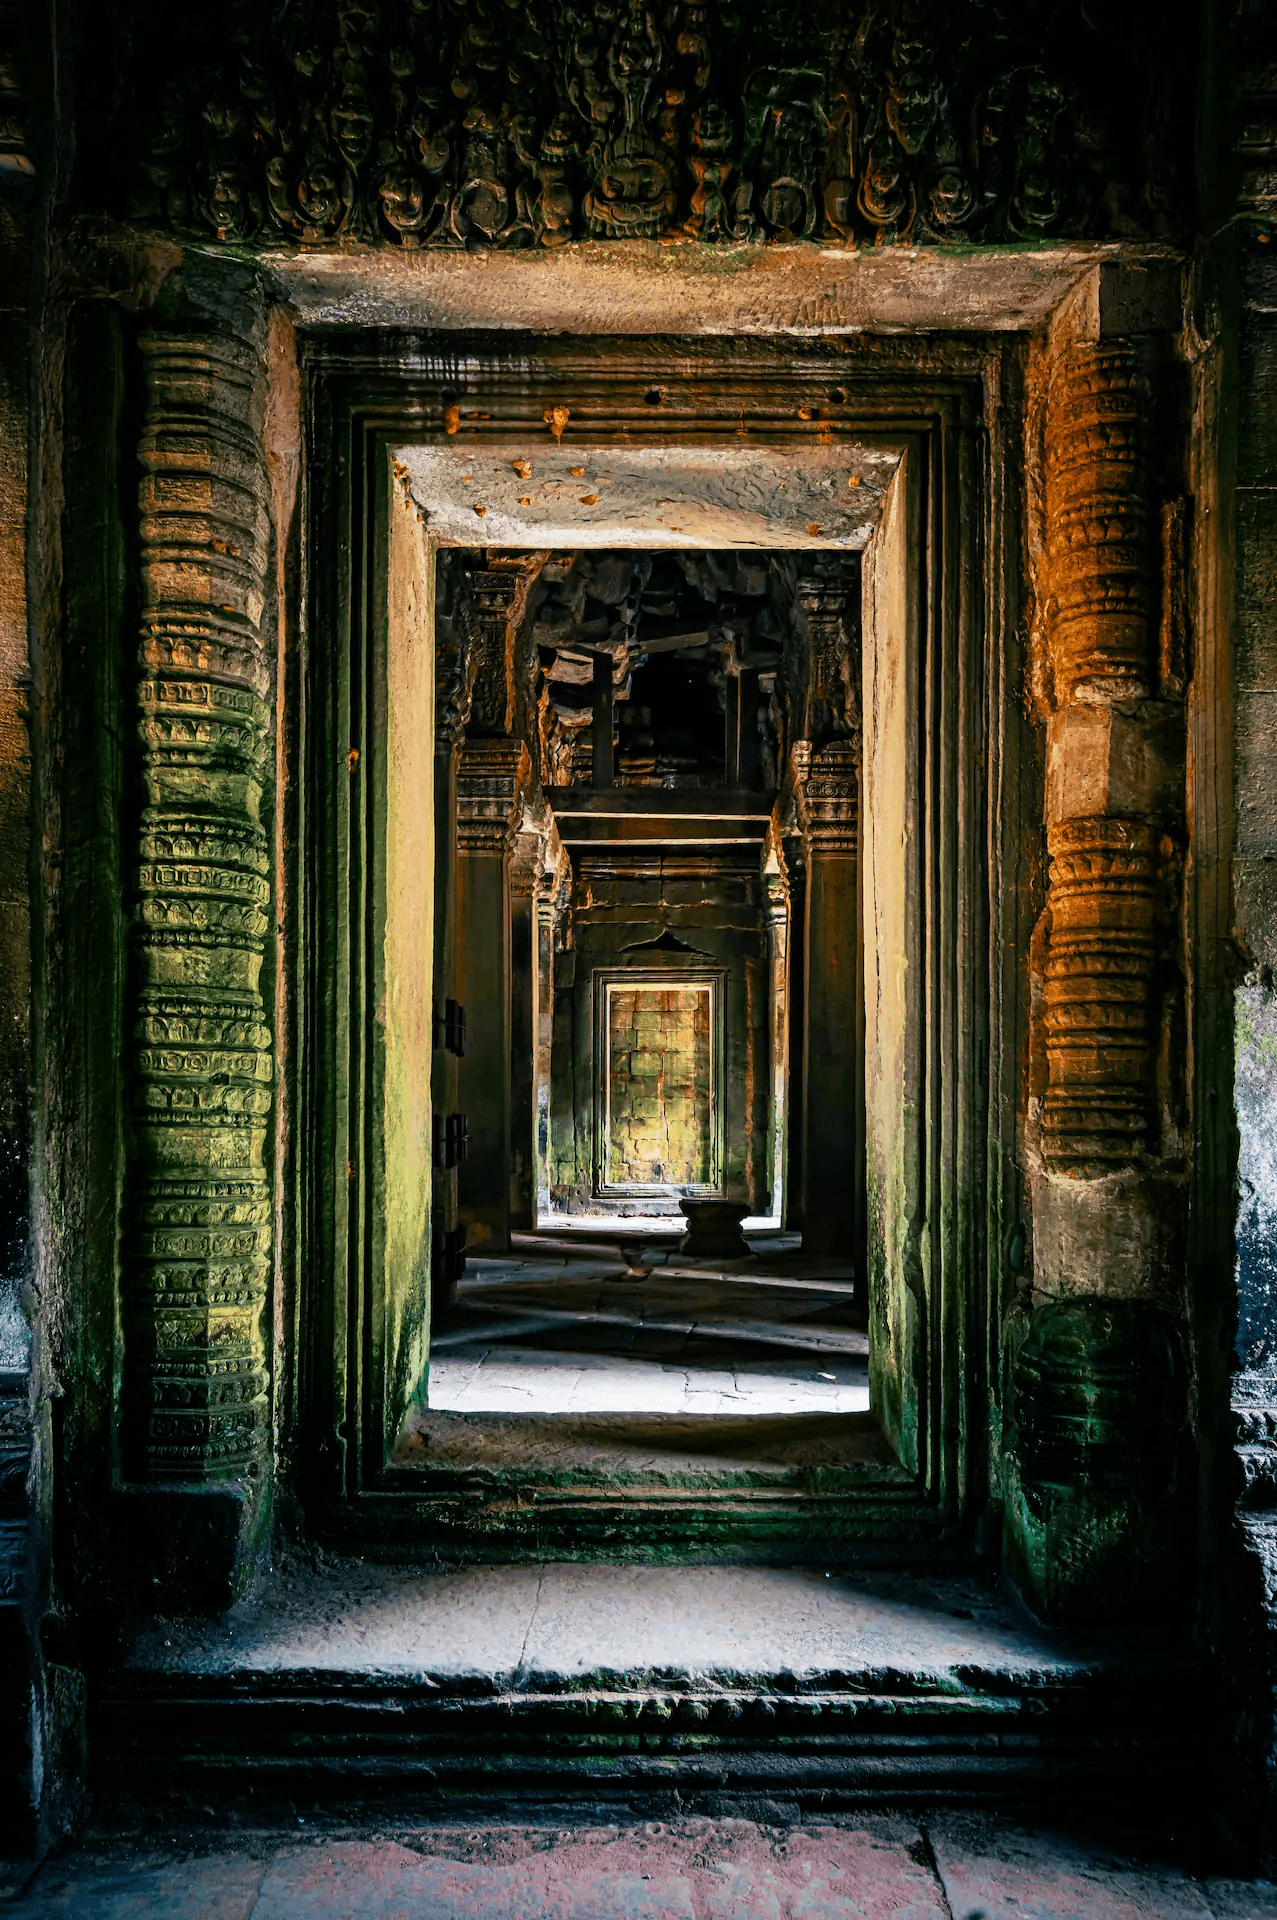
{"x":642,"y":1487}
{"x":496,"y":1684}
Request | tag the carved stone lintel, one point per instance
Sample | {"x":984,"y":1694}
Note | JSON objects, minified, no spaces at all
{"x":414,"y":126}
{"x":1102,"y":616}
{"x":197,"y":1263}
{"x":827,"y":791}
{"x":490,"y":789}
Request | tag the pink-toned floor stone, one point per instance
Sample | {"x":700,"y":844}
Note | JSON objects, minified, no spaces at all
{"x":879,"y":1867}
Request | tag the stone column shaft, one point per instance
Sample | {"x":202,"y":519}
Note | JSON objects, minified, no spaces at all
{"x":776,"y":920}
{"x":523,"y":1037}
{"x":795,"y":1049}
{"x":197,"y":1255}
{"x":827,"y":787}
{"x":544,"y":910}
{"x":490,"y":784}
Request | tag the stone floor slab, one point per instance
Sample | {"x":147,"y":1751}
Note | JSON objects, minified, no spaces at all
{"x":737,"y":1621}
{"x":517,"y":1379}
{"x":996,"y":1871}
{"x":85,"y":1886}
{"x":873,"y":1869}
{"x":470,"y":1625}
{"x":1241,"y":1899}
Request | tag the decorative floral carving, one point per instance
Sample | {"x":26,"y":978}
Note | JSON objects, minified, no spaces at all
{"x":437,"y":123}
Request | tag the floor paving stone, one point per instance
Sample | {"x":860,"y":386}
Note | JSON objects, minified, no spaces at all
{"x":993,"y":1871}
{"x":947,"y":1866}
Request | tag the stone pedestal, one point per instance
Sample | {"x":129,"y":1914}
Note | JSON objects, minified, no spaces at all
{"x":714,"y":1229}
{"x":827,"y":789}
{"x":489,"y":803}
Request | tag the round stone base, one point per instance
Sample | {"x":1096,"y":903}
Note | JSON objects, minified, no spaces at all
{"x":713,"y":1229}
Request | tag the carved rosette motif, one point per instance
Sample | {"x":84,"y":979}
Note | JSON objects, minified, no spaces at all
{"x":490,"y":789}
{"x":199,"y":1203}
{"x":827,"y":791}
{"x":1098,"y":993}
{"x":1099,"y":527}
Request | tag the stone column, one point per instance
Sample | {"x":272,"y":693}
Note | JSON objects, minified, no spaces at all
{"x":544,"y":911}
{"x":454,"y":675}
{"x":827,"y":789}
{"x":525,"y":872}
{"x":1095,"y":1360}
{"x":197,"y":1247}
{"x":776,"y":922}
{"x":796,"y":1021}
{"x":489,"y":803}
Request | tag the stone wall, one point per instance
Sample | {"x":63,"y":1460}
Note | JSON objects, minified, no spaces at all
{"x":660,"y":1086}
{"x":713,"y":906}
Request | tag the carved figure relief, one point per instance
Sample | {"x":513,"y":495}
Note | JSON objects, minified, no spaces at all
{"x":428,"y":123}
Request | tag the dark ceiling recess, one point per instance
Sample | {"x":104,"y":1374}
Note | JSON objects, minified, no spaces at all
{"x":682,"y":630}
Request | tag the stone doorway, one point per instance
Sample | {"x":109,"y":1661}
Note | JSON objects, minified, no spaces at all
{"x":530,"y":821}
{"x":660,"y":1099}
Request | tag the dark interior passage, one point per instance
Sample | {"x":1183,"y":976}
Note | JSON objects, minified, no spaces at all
{"x":640,"y":961}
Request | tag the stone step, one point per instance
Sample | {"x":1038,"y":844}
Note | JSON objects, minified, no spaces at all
{"x":617,"y":1682}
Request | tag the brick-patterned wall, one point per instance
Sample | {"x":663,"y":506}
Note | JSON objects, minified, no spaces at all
{"x":660,"y":1089}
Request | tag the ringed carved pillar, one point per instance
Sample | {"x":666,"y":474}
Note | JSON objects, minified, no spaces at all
{"x":197,"y":1255}
{"x":826,"y":782}
{"x":1095,"y":1382}
{"x":490,"y":787}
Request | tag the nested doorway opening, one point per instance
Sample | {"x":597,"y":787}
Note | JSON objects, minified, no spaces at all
{"x":674,"y":906}
{"x":577,"y":841}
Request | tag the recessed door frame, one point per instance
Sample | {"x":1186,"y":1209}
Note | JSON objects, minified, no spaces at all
{"x":951,"y":407}
{"x":713,"y":980}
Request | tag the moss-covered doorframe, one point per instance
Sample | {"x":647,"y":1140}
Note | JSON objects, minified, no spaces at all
{"x":936,"y":400}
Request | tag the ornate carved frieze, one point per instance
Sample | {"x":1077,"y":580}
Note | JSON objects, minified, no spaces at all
{"x":1102,"y":608}
{"x":490,"y":789}
{"x":197,"y":1264}
{"x":425,"y":123}
{"x":826,"y":784}
{"x":1098,"y":993}
{"x":830,"y":604}
{"x":455,"y":654}
{"x":498,"y":595}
